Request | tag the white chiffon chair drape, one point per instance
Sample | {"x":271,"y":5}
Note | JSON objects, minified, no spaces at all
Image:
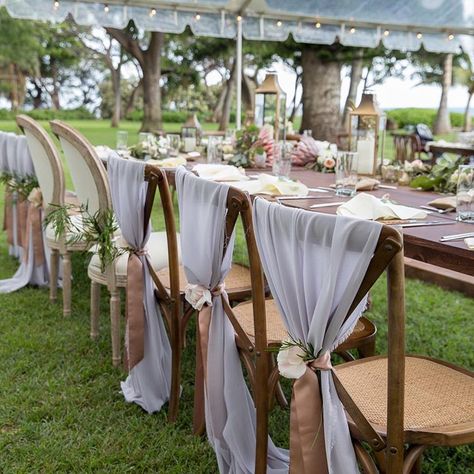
{"x":149,"y":381}
{"x":230,"y":411}
{"x":315,"y":264}
{"x":29,"y":243}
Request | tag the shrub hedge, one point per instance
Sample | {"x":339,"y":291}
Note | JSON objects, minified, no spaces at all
{"x":413,"y":116}
{"x":49,"y":114}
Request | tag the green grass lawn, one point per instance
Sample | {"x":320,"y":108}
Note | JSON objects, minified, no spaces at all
{"x":60,"y":406}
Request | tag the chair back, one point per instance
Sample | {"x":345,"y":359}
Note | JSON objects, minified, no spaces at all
{"x":46,"y":161}
{"x":87,"y":172}
{"x":387,"y":255}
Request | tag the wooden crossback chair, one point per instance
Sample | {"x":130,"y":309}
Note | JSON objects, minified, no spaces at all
{"x":390,"y":400}
{"x":169,"y":299}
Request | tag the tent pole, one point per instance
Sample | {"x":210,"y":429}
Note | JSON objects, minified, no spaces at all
{"x":238,"y":120}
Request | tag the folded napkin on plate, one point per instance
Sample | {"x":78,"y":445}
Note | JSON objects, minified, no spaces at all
{"x":444,"y":203}
{"x":366,"y":206}
{"x":220,"y":172}
{"x":367,"y":184}
{"x":274,"y":186}
{"x":470,"y":243}
{"x":172,"y":162}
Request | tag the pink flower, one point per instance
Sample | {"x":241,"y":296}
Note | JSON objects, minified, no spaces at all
{"x":329,"y":163}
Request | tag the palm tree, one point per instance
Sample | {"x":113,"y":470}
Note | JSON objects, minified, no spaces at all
{"x":464,"y":75}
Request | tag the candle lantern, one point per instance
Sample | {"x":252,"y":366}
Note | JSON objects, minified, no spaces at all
{"x":367,"y":134}
{"x":270,"y":105}
{"x":191,"y":133}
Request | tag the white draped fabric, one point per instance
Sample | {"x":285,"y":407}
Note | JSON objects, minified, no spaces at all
{"x":315,"y":264}
{"x":230,"y":411}
{"x":15,"y":158}
{"x":148,"y":383}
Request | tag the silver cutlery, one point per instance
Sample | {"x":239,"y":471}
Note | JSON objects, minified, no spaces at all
{"x":427,"y":223}
{"x":447,"y":238}
{"x":327,"y":204}
{"x":288,"y":198}
{"x":439,"y":211}
{"x":387,"y":186}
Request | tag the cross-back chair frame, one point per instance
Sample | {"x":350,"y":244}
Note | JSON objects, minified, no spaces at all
{"x":388,"y":256}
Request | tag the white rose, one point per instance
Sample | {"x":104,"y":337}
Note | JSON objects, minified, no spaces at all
{"x":197,"y":296}
{"x":290,"y":362}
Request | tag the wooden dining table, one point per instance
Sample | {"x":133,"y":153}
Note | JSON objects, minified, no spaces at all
{"x":421,"y":243}
{"x":447,"y":147}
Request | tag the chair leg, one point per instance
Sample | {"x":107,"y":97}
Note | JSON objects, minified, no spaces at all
{"x":53,"y":275}
{"x":262,"y":408}
{"x":199,"y":416}
{"x":95,"y":309}
{"x":67,"y":277}
{"x":115,"y":326}
{"x":176,"y":352}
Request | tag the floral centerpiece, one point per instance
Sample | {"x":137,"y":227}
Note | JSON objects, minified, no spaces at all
{"x":152,"y":148}
{"x":441,"y":177}
{"x":251,"y":142}
{"x":315,"y":155}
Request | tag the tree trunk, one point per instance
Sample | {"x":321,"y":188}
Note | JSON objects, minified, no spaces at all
{"x":150,"y":63}
{"x":115,"y":73}
{"x":217,"y":115}
{"x":55,"y":92}
{"x":248,"y":94}
{"x":151,"y":67}
{"x":225,"y":117}
{"x":443,"y":122}
{"x":356,"y":77}
{"x":14,"y":87}
{"x":467,"y":114}
{"x":132,"y":98}
{"x":321,"y":96}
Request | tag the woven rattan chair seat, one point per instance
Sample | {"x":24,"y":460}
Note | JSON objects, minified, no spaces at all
{"x":237,"y":280}
{"x":437,"y":396}
{"x":276,"y":331}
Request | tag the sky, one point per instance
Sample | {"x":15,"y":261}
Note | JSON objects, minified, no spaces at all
{"x":393,"y":93}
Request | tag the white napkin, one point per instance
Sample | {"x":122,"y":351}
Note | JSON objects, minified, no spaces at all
{"x":268,"y":184}
{"x":366,"y":206}
{"x":104,"y":152}
{"x":172,"y":162}
{"x":220,"y":172}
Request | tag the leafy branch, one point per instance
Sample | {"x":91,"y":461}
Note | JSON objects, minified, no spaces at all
{"x":23,"y":185}
{"x":307,"y":349}
{"x":93,"y":229}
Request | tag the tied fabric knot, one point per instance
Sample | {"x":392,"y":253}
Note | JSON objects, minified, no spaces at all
{"x":307,"y":444}
{"x":198,"y":295}
{"x":135,"y":334}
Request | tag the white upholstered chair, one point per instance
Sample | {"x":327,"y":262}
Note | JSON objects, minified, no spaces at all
{"x":50,"y":174}
{"x":90,"y":180}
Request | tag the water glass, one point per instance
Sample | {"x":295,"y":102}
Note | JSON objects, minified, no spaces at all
{"x":346,"y":173}
{"x":214,"y":149}
{"x":145,"y":137}
{"x":281,"y":160}
{"x":122,"y":140}
{"x":174,"y":142}
{"x":465,"y":194}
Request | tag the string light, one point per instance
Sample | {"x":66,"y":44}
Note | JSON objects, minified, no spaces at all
{"x":239,"y":18}
{"x":279,"y":23}
{"x":386,"y":33}
{"x":153,"y":12}
{"x":317,"y":25}
{"x":419,"y":36}
{"x":450,"y":37}
{"x":106,"y":8}
{"x":352,"y":30}
{"x":197,"y":17}
{"x":56,"y":4}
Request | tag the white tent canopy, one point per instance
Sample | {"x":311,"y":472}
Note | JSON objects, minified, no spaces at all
{"x":440,"y":25}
